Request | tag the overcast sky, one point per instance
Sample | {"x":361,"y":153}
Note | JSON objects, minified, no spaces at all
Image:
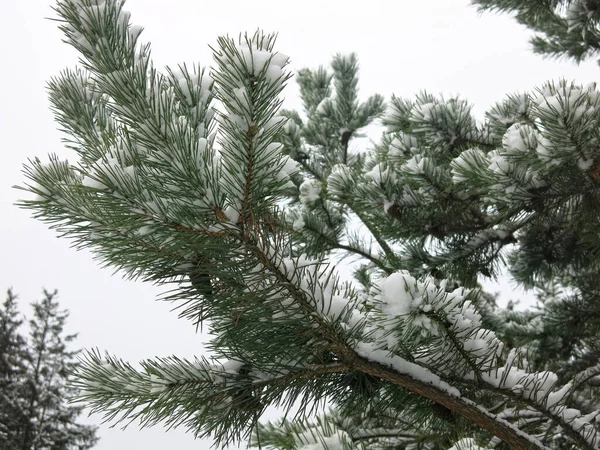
{"x":437,"y":45}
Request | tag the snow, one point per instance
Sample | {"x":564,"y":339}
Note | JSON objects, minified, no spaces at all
{"x":499,"y":164}
{"x":143,"y":231}
{"x":402,"y":302}
{"x":381,"y":173}
{"x":94,"y":11}
{"x":539,"y":387}
{"x":397,"y":294}
{"x":202,"y":145}
{"x":557,"y":396}
{"x":252,"y":65}
{"x":38,"y":174}
{"x":257,"y":61}
{"x":584,"y":163}
{"x":472,"y":159}
{"x":273,"y":148}
{"x":280,"y":59}
{"x":290,"y":166}
{"x":475,"y":345}
{"x":336,"y":441}
{"x":372,"y":353}
{"x":232,"y":366}
{"x":153,"y":206}
{"x":310,"y":191}
{"x":241,"y":97}
{"x":502,"y":234}
{"x":130,"y":171}
{"x":467,"y":444}
{"x":375,"y":174}
{"x":416,"y":165}
{"x":513,"y":138}
{"x":336,"y":306}
{"x":567,"y":101}
{"x":195,"y":86}
{"x":83,"y":41}
{"x":387,"y":204}
{"x":232,"y":214}
{"x":340,"y":180}
{"x":274,"y":73}
{"x":254,"y":59}
{"x":123,"y":18}
{"x":425,"y":111}
{"x":545,"y":151}
{"x":551,"y":103}
{"x":93,"y":183}
{"x":275,"y":122}
{"x":322,"y":106}
{"x":480,"y":238}
{"x":157,"y":385}
{"x":239,"y":121}
{"x":135,"y":31}
{"x":298,"y":224}
{"x":321,"y":285}
{"x":397,"y":144}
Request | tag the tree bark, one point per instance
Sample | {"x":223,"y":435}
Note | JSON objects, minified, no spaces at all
{"x":463,"y":406}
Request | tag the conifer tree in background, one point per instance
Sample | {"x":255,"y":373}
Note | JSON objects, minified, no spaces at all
{"x":52,"y":418}
{"x":14,"y":358}
{"x":243,"y":208}
{"x":35,"y":413}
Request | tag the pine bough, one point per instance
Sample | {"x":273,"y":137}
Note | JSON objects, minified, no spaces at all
{"x":197,"y":178}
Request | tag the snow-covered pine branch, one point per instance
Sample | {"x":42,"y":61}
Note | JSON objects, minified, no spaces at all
{"x":564,"y":28}
{"x":241,"y":206}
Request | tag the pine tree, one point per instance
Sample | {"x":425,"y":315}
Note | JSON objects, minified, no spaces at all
{"x":35,"y":410}
{"x":244,"y":208}
{"x":566,"y":28}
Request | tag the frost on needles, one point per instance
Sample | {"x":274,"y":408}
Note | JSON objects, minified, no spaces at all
{"x":195,"y":177}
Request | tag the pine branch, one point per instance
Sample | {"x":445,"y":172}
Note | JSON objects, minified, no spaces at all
{"x":460,"y":405}
{"x":443,"y":396}
{"x":334,"y":244}
{"x":152,"y":193}
{"x":389,"y":253}
{"x":555,"y":414}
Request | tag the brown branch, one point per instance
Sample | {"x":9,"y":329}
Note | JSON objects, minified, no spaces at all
{"x":466,"y":408}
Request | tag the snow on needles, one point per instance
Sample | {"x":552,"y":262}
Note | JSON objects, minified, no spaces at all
{"x":337,"y":441}
{"x":249,"y":78}
{"x":403,"y":303}
{"x":261,"y":61}
{"x":401,"y":365}
{"x":310,"y":191}
{"x":467,"y":444}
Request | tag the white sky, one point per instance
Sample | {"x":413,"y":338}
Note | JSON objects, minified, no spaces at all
{"x":437,"y":45}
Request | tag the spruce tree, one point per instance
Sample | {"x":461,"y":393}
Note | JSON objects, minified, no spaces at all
{"x":52,"y":423}
{"x":196,"y":178}
{"x":35,"y":413}
{"x":14,"y":361}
